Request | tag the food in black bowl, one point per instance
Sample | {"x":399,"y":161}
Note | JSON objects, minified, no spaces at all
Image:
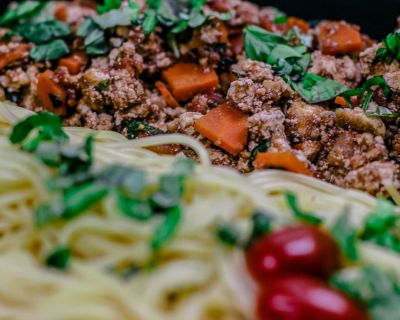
{"x":300,"y":112}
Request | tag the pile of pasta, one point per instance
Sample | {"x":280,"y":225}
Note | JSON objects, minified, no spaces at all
{"x":195,"y":276}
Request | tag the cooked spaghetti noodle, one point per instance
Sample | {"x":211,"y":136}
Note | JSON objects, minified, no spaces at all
{"x":195,"y":277}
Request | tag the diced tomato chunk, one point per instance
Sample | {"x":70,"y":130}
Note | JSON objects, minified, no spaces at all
{"x":226,"y":127}
{"x":188,"y":79}
{"x":338,"y":37}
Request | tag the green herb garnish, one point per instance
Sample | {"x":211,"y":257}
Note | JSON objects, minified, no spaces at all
{"x":22,"y":10}
{"x":47,"y":125}
{"x":374,"y":81}
{"x":77,"y":186}
{"x":346,"y":235}
{"x":93,"y":29}
{"x":177,"y":15}
{"x":390,"y":50}
{"x":298,"y":212}
{"x":382,"y":226}
{"x":383,"y":112}
{"x":290,"y":62}
{"x":379,"y":291}
{"x":261,"y":225}
{"x":228,"y":235}
{"x":103,"y":85}
{"x":138,"y":127}
{"x":50,"y":51}
{"x":43,"y":32}
{"x":316,"y":89}
{"x":166,"y":230}
{"x":59,"y":258}
{"x":108,"y":5}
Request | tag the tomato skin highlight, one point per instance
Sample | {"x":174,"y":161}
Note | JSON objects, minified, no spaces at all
{"x":301,"y":249}
{"x":301,"y":297}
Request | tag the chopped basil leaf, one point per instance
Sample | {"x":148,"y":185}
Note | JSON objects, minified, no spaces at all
{"x":381,"y":226}
{"x":108,"y":6}
{"x":134,"y":10}
{"x":171,"y":186}
{"x":346,"y":235}
{"x":169,"y":193}
{"x":177,"y":15}
{"x":378,"y":291}
{"x":114,"y":18}
{"x":258,"y":43}
{"x":86,"y":28}
{"x":50,"y":51}
{"x":298,"y":212}
{"x":183,"y":167}
{"x":137,"y":128}
{"x":43,"y":32}
{"x":149,"y":22}
{"x":390,"y":50}
{"x":290,"y":62}
{"x":279,"y":16}
{"x":130,"y":182}
{"x":49,"y":128}
{"x":103,"y":85}
{"x":20,"y":11}
{"x":48,"y":212}
{"x":93,"y":29}
{"x":374,"y":81}
{"x":137,"y":209}
{"x":59,"y":258}
{"x":281,"y":19}
{"x":166,"y":230}
{"x":261,"y":45}
{"x":228,"y":235}
{"x":383,"y":112}
{"x":173,"y":44}
{"x":96,"y":44}
{"x":261,"y":225}
{"x":315,"y":89}
{"x":77,"y":200}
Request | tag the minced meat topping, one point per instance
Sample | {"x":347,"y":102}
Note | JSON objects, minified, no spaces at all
{"x":329,"y":94}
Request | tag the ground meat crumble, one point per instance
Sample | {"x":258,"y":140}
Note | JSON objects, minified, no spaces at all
{"x":340,"y":145}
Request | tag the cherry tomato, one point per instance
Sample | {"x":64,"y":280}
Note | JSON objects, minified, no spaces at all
{"x":300,"y":249}
{"x":301,"y":297}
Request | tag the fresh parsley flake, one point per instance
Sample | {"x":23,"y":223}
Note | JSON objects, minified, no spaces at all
{"x":59,"y":258}
{"x":298,"y":212}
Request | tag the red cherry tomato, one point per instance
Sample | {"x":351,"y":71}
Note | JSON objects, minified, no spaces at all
{"x":301,"y":249}
{"x":301,"y":297}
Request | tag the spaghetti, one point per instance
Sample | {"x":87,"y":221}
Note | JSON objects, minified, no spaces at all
{"x":195,"y":277}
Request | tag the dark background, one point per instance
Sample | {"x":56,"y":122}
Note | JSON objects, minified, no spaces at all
{"x":377,"y":18}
